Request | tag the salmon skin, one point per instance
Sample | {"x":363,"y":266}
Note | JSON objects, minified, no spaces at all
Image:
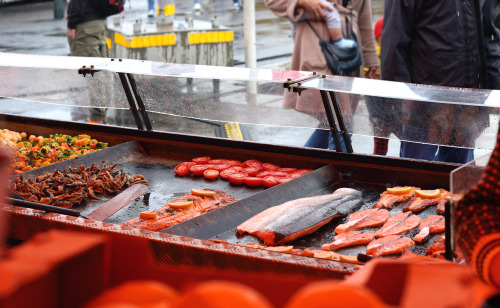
{"x":168,"y":216}
{"x":418,"y":204}
{"x":430,"y":225}
{"x":400,"y":223}
{"x":364,"y":219}
{"x":296,"y":218}
{"x":389,"y":245}
{"x":388,"y":200}
{"x":349,"y":238}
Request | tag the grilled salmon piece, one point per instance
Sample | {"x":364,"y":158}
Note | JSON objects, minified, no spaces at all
{"x":350,"y":238}
{"x":168,"y":216}
{"x":388,"y":200}
{"x":438,"y":248}
{"x":418,"y":204}
{"x":441,"y":205}
{"x":389,"y":245}
{"x":400,"y":223}
{"x":364,"y":219}
{"x":293,"y":219}
{"x":430,"y":225}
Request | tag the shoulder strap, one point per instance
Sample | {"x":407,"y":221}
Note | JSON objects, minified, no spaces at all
{"x":314,"y":30}
{"x":348,"y":29}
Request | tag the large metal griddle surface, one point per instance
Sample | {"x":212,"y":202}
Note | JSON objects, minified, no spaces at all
{"x":221,"y":224}
{"x":225,"y":220}
{"x":164,"y":185}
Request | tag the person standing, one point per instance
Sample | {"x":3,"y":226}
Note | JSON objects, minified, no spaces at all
{"x":384,"y":113}
{"x":439,"y":42}
{"x":477,"y":214}
{"x":356,"y":17}
{"x":151,"y":8}
{"x":86,"y":37}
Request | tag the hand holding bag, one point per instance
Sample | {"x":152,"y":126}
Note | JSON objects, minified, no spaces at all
{"x":340,"y":61}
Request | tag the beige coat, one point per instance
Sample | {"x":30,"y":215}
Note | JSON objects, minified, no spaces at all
{"x":307,"y":54}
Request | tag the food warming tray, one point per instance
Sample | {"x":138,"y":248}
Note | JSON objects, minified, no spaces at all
{"x":135,"y":157}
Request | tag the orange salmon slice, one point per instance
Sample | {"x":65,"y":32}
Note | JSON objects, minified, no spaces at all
{"x":348,"y":239}
{"x":168,"y":216}
{"x":430,"y":225}
{"x":389,"y":245}
{"x":388,"y":200}
{"x":418,"y":204}
{"x":400,"y":223}
{"x":364,"y":219}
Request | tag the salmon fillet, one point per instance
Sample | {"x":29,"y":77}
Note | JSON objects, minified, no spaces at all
{"x":364,"y":219}
{"x":437,"y":249}
{"x":388,"y":200}
{"x":350,"y":238}
{"x":442,"y":203}
{"x":430,"y":225}
{"x":389,"y":245}
{"x":296,"y":218}
{"x":418,"y":204}
{"x":400,"y":223}
{"x":168,"y":216}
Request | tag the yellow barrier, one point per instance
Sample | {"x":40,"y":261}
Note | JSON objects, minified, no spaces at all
{"x":210,"y":37}
{"x":146,"y":41}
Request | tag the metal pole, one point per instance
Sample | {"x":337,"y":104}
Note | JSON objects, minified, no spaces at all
{"x":249,"y":33}
{"x":250,"y":48}
{"x":58,"y":9}
{"x":449,"y":232}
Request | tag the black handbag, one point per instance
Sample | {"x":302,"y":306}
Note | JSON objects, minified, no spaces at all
{"x":340,"y":61}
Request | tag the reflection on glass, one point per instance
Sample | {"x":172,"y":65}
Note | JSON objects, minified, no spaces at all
{"x":196,"y":99}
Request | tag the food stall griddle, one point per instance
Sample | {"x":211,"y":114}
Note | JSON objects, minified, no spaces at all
{"x":164,"y":185}
{"x":221,"y":224}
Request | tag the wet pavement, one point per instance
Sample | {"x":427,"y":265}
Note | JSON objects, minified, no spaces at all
{"x":31,"y":28}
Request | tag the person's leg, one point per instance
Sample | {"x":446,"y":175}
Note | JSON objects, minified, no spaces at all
{"x":98,"y":115}
{"x":318,"y":139}
{"x":331,"y":143}
{"x":418,"y":150}
{"x":380,"y":146}
{"x":454,"y":155}
{"x":89,"y":41}
{"x":151,"y":8}
{"x":197,"y":5}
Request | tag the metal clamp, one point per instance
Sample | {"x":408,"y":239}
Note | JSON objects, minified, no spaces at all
{"x":85,"y":70}
{"x":295,"y":85}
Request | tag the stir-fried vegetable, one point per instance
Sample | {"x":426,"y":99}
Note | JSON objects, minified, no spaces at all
{"x":39,"y":151}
